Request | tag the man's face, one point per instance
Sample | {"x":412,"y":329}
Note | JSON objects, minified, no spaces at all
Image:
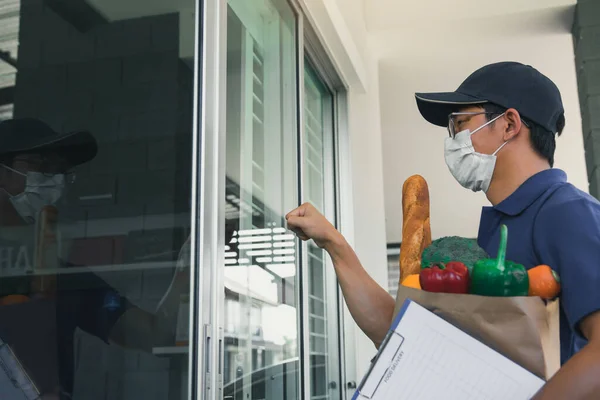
{"x":14,"y":183}
{"x":13,"y":180}
{"x":489,"y":138}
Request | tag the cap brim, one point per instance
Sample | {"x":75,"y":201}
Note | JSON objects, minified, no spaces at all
{"x":75,"y":147}
{"x":435,"y":107}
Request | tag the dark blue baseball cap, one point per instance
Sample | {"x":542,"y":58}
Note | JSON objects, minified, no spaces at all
{"x":506,"y":84}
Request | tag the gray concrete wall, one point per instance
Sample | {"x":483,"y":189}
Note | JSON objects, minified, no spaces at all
{"x":586,"y":36}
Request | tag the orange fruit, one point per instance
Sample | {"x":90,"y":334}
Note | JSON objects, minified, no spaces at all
{"x":412,"y":281}
{"x":543,"y":282}
{"x":13,"y":299}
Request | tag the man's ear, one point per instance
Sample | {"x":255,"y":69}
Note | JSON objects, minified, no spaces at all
{"x":513,"y":125}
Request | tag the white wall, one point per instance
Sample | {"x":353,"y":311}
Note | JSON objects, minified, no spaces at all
{"x":353,"y":12}
{"x":440,"y":63}
{"x":368,"y":188}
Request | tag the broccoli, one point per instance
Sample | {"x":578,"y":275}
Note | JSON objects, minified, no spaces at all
{"x":453,"y":248}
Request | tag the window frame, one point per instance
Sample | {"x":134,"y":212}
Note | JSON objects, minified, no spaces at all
{"x":208,"y":202}
{"x":208,"y":198}
{"x":311,"y":50}
{"x":316,"y":53}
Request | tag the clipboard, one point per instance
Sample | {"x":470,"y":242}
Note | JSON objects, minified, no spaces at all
{"x":425,"y":357}
{"x":29,"y":329}
{"x":15,"y":383}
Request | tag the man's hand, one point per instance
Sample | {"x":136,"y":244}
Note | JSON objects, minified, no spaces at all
{"x":370,"y":305}
{"x":579,"y":378}
{"x":308,"y":223}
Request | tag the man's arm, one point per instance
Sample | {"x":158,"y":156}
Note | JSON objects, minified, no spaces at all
{"x":568,"y":240}
{"x":132,"y":330}
{"x":579,"y":378}
{"x":143,"y":330}
{"x":370,"y":305}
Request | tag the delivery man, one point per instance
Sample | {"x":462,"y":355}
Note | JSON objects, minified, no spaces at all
{"x":36,"y":166}
{"x":502,"y":122}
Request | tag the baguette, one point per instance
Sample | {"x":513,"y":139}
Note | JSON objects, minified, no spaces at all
{"x":46,"y":251}
{"x":416,"y":229}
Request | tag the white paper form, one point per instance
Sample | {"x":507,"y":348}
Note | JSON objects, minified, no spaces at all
{"x":426,"y":358}
{"x":15,"y":384}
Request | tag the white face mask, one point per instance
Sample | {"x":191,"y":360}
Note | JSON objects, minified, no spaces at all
{"x":471,"y":169}
{"x":40,"y":190}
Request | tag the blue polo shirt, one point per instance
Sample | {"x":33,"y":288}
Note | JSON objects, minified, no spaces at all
{"x":552,"y":222}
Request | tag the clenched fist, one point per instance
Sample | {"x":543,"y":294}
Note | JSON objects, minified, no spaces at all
{"x":308,"y":223}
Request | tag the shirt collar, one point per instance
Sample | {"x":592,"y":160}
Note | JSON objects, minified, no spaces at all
{"x":530,"y":190}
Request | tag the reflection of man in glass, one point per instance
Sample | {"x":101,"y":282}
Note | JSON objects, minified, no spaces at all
{"x":39,"y":313}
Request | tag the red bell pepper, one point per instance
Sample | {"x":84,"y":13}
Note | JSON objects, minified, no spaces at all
{"x":452,"y":277}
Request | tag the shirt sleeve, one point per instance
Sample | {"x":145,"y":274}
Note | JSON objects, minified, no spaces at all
{"x":182,"y":266}
{"x":90,"y":303}
{"x":567,"y":238}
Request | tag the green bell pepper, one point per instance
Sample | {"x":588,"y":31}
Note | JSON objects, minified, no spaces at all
{"x":498,"y":277}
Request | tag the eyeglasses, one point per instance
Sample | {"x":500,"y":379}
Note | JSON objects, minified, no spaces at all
{"x":453,"y":129}
{"x":47,"y":167}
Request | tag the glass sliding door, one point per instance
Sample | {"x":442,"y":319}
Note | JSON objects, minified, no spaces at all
{"x":96,"y":114}
{"x":319,"y":189}
{"x":261,"y":341}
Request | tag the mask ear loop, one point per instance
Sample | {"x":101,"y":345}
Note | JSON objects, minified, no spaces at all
{"x":487,"y":123}
{"x":500,"y":148}
{"x":10,"y":196}
{"x":13,"y":170}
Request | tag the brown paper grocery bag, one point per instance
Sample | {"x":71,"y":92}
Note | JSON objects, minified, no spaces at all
{"x":523,"y":329}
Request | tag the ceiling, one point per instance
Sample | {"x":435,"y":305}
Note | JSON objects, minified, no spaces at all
{"x":119,"y":10}
{"x":114,"y":10}
{"x":461,"y":40}
{"x":9,"y":35}
{"x":436,"y":14}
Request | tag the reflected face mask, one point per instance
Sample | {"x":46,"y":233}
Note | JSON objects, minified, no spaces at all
{"x":40,"y":190}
